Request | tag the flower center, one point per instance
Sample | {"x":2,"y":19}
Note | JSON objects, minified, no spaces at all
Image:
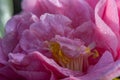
{"x":78,"y":63}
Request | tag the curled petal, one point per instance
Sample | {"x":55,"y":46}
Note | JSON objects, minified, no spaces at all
{"x":29,"y":42}
{"x":29,"y":66}
{"x":104,"y":61}
{"x":51,"y":25}
{"x":20,"y":22}
{"x":52,"y":66}
{"x":71,"y":8}
{"x":105,"y":33}
{"x":36,"y":66}
{"x":110,"y":15}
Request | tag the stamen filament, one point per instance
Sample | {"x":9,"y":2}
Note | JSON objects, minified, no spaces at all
{"x":79,"y":63}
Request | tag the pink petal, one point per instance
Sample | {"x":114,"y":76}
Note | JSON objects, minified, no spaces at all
{"x":36,"y":66}
{"x":20,"y":22}
{"x":105,"y":34}
{"x":12,"y":24}
{"x":110,"y":16}
{"x":58,"y":71}
{"x":53,"y":77}
{"x":105,"y":60}
{"x":29,"y":5}
{"x":57,"y":22}
{"x":104,"y":69}
{"x":5,"y":68}
{"x":85,"y":32}
{"x":113,"y":72}
{"x":9,"y":42}
{"x":118,"y":6}
{"x":3,"y":58}
{"x":6,"y":73}
{"x":71,"y":8}
{"x":18,"y":49}
{"x":14,"y":29}
{"x":71,"y":78}
{"x":51,"y":25}
{"x":92,"y":3}
{"x":29,"y":66}
{"x":29,"y":42}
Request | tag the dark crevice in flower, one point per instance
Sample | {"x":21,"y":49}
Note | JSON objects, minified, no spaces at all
{"x":117,"y":78}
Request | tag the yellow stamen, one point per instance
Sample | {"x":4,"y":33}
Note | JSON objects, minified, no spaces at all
{"x":87,"y":50}
{"x":76,"y":63}
{"x":96,"y":54}
{"x":58,"y":53}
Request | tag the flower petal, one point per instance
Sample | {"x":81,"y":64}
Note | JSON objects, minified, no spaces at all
{"x":92,"y":3}
{"x":118,"y":6}
{"x":105,"y":60}
{"x":69,"y":8}
{"x":85,"y":32}
{"x":52,"y":66}
{"x":29,"y":42}
{"x":11,"y":74}
{"x":71,"y":78}
{"x":51,"y":25}
{"x":36,"y":66}
{"x":20,"y":22}
{"x":110,"y":15}
{"x":9,"y":42}
{"x":105,"y":33}
{"x":3,"y":58}
{"x":29,"y":66}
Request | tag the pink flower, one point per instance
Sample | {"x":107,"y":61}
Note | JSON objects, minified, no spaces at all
{"x":62,"y":39}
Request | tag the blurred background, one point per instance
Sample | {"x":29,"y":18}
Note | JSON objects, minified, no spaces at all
{"x":8,"y":8}
{"x":17,"y":6}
